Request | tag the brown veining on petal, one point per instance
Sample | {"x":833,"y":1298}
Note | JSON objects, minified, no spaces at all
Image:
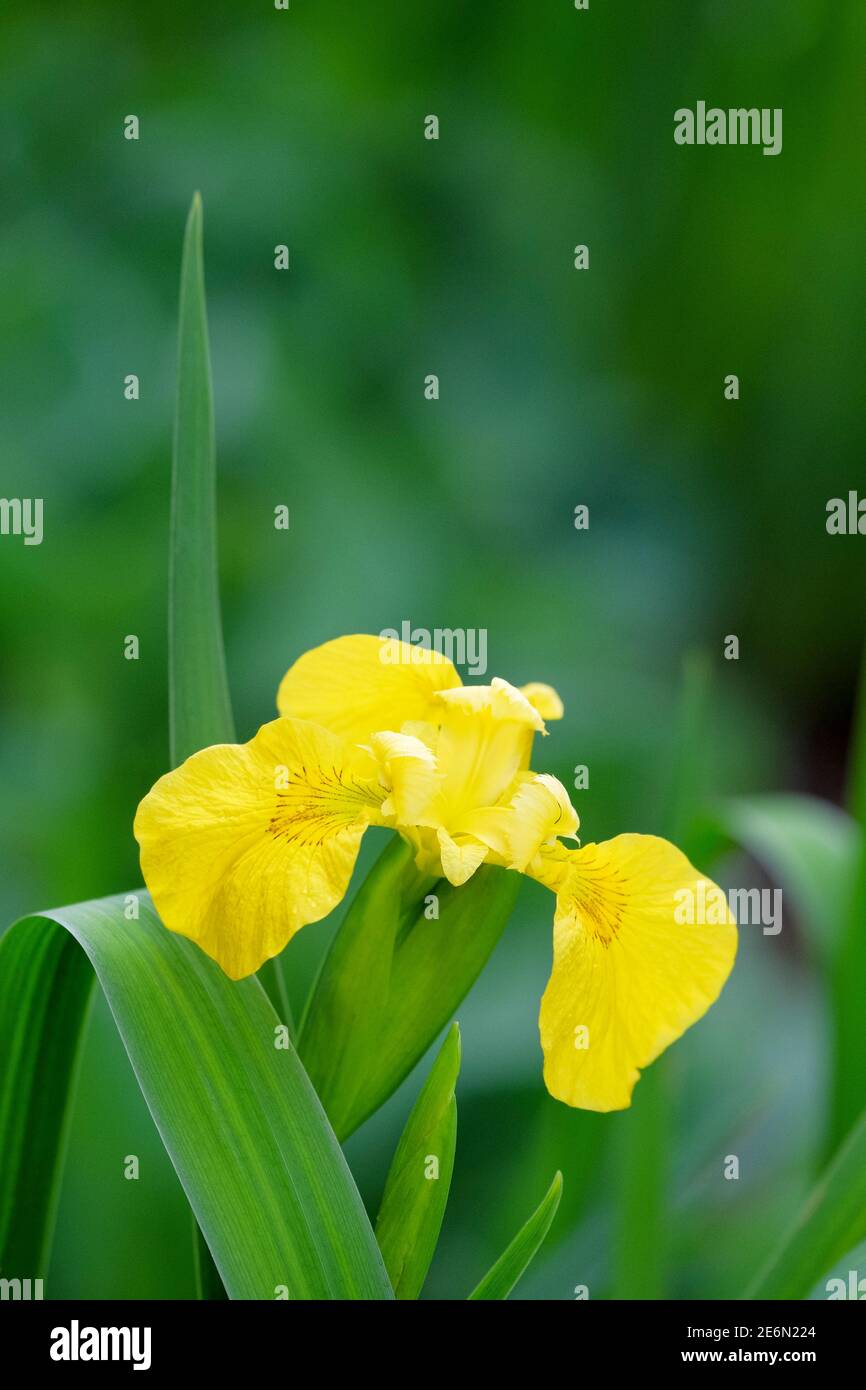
{"x":317,"y":803}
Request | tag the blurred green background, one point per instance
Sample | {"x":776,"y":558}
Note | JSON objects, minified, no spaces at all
{"x":558,"y":387}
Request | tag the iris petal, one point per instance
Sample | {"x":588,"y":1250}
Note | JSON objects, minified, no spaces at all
{"x":629,"y":976}
{"x":356,"y":686}
{"x":242,"y":845}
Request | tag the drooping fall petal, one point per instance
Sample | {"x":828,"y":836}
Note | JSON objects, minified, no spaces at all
{"x":244,"y":844}
{"x":631,"y":972}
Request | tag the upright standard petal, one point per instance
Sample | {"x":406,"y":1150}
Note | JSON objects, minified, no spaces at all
{"x":637,"y":959}
{"x":244,"y":844}
{"x":357,"y":686}
{"x":484,"y":742}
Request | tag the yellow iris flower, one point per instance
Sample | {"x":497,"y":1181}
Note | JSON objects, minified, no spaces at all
{"x":242,"y":846}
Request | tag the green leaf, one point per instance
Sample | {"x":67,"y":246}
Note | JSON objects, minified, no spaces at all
{"x":393,"y":979}
{"x":832,"y":1221}
{"x":853,"y":1263}
{"x":856,"y":798}
{"x":199,"y":706}
{"x":251,"y":1145}
{"x":414,"y":1200}
{"x":849,"y":1073}
{"x":817,"y":853}
{"x":515,"y":1260}
{"x":807,"y":846}
{"x":46,"y":985}
{"x":199,"y":702}
{"x":849,"y":1016}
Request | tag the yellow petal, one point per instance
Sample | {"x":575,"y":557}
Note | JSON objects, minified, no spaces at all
{"x":460,"y":856}
{"x":630,"y":973}
{"x":537,"y":811}
{"x":499,"y":700}
{"x":410,"y":774}
{"x":543,"y":698}
{"x":244,"y":844}
{"x":357,"y":686}
{"x":484,"y":742}
{"x":541,"y":811}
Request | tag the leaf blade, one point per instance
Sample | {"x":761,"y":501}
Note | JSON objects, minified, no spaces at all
{"x":199,"y":703}
{"x":806,"y":845}
{"x":416,"y":972}
{"x":413,"y":1203}
{"x":240,"y":1121}
{"x":502,"y":1277}
{"x":831,"y":1222}
{"x":849,"y":1075}
{"x":46,"y":985}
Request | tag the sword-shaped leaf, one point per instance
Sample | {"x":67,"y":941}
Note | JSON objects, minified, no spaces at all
{"x":248,"y":1138}
{"x":416,"y":1191}
{"x":516,"y":1258}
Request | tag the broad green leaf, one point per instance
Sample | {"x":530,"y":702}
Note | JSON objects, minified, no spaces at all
{"x":199,"y":706}
{"x":251,"y":1145}
{"x":394,"y":977}
{"x":832,"y":1221}
{"x":416,"y":1191}
{"x":515,"y":1260}
{"x":46,"y":985}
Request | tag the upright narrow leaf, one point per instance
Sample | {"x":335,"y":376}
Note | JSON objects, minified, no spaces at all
{"x":513,"y":1262}
{"x":199,"y":702}
{"x":199,"y":705}
{"x":246,"y":1133}
{"x":416,"y":1192}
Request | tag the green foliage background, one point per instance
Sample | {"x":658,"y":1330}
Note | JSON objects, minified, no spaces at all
{"x":409,"y":257}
